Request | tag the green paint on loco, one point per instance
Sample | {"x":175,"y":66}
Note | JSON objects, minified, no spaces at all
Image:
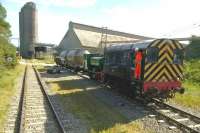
{"x":97,"y":61}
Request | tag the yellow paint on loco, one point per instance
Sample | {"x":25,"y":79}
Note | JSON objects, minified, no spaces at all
{"x":164,"y":69}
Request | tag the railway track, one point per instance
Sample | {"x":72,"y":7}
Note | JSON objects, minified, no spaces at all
{"x":36,"y":111}
{"x":179,"y":118}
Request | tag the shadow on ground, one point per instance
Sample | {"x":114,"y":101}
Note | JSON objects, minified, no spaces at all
{"x":87,"y":100}
{"x":44,"y":74}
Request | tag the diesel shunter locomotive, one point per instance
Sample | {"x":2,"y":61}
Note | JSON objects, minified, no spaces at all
{"x":149,"y":69}
{"x":146,"y":69}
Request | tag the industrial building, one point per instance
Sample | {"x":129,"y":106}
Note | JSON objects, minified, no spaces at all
{"x":93,"y":38}
{"x":28,"y":29}
{"x":44,"y":50}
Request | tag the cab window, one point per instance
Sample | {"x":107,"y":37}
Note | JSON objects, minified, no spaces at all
{"x":107,"y":59}
{"x":124,"y":58}
{"x":152,"y":54}
{"x":110,"y":59}
{"x":132,"y":59}
{"x":118,"y":58}
{"x":178,"y":56}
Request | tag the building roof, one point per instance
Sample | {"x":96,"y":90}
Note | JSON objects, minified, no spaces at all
{"x":44,"y":45}
{"x":90,"y":36}
{"x":29,"y":5}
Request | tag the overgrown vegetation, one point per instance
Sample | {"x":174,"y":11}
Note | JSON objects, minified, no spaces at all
{"x":42,"y":61}
{"x":191,"y":97}
{"x":7,"y":89}
{"x":8,"y":69}
{"x":191,"y":82}
{"x":7,"y":50}
{"x":100,"y":117}
{"x":193,"y":49}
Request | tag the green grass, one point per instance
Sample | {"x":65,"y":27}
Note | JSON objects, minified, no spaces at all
{"x":191,"y":97}
{"x":41,"y":68}
{"x":7,"y":89}
{"x":100,"y":117}
{"x":45,"y":60}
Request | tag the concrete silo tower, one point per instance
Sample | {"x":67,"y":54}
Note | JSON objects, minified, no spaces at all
{"x":28,"y":29}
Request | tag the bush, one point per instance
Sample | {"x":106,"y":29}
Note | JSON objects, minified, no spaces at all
{"x":191,"y":71}
{"x":7,"y":50}
{"x":192,"y":50}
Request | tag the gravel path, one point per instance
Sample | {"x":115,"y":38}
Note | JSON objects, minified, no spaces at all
{"x":131,"y":110}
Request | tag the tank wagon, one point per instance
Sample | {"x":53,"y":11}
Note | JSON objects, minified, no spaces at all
{"x":61,"y":59}
{"x":151,"y":69}
{"x":75,"y":59}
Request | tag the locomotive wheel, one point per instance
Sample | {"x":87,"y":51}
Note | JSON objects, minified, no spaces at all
{"x":76,"y":70}
{"x":105,"y":79}
{"x":133,"y":90}
{"x":92,"y":76}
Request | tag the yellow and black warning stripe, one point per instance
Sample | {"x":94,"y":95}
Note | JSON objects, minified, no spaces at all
{"x":164,"y":69}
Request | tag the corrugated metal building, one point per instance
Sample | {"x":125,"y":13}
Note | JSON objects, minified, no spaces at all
{"x":91,"y":38}
{"x":28,"y":29}
{"x":44,"y":50}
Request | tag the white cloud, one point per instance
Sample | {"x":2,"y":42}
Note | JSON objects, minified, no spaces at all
{"x":173,"y":18}
{"x":61,"y":3}
{"x":79,"y":3}
{"x":166,"y":18}
{"x":52,"y":27}
{"x":12,"y":18}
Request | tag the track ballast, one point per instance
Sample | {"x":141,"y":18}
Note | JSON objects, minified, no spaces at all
{"x":36,"y":111}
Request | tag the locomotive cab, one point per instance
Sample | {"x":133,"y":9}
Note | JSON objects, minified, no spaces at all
{"x":123,"y":67}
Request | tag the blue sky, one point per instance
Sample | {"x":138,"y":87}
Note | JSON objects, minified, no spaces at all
{"x":155,"y":18}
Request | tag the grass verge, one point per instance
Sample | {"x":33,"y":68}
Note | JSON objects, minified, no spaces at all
{"x":191,"y":97}
{"x":45,"y":60}
{"x":7,"y":89}
{"x":41,"y":68}
{"x":100,"y":117}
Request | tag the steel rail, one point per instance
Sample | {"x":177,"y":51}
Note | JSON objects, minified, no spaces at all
{"x":181,"y":113}
{"x":42,"y":84}
{"x":19,"y":127}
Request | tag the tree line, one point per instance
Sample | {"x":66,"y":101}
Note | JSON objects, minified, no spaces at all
{"x":193,"y":49}
{"x":7,"y":49}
